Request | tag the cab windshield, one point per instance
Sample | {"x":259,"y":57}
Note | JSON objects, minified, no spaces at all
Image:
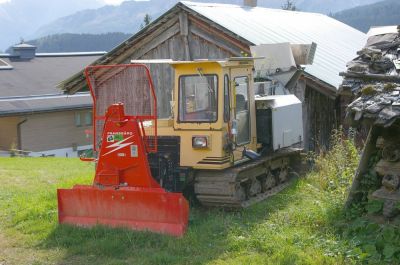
{"x":198,"y":97}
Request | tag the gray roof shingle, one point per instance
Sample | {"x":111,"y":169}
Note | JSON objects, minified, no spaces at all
{"x":374,"y":79}
{"x":31,"y":85}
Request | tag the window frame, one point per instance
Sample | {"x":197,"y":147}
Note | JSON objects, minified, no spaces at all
{"x":179,"y":99}
{"x":90,"y":115}
{"x":227,"y":100}
{"x":77,"y":119}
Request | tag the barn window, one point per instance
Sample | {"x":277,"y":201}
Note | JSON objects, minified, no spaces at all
{"x":198,"y":97}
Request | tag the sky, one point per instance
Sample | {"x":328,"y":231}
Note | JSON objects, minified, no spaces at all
{"x":22,"y":18}
{"x":106,"y":2}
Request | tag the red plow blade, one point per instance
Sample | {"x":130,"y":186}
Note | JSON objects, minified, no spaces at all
{"x":136,"y":208}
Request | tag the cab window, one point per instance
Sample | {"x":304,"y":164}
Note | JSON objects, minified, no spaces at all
{"x":198,"y":98}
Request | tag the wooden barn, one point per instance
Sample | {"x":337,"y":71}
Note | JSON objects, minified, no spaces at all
{"x":190,"y":31}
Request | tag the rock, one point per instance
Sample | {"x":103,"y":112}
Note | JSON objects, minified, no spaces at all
{"x":374,"y":108}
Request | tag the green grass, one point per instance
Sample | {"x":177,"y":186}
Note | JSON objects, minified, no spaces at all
{"x":302,"y":225}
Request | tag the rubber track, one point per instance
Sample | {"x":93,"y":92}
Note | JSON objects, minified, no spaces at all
{"x":217,"y":188}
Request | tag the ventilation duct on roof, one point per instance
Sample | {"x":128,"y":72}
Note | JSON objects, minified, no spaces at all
{"x":24,"y":51}
{"x":250,"y":3}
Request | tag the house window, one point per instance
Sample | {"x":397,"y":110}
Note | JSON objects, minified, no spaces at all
{"x":83,"y":118}
{"x":88,"y":118}
{"x":78,"y":121}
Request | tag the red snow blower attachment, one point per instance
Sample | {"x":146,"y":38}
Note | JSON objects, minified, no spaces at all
{"x":124,"y":131}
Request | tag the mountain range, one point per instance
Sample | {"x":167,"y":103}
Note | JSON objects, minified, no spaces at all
{"x":31,"y":19}
{"x":21,"y":18}
{"x":379,"y":14}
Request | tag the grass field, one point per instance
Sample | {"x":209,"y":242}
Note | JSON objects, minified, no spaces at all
{"x":304,"y":224}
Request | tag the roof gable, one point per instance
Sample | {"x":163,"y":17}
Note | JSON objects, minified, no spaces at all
{"x":336,"y":41}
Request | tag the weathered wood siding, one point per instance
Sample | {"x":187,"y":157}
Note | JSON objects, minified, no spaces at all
{"x":50,"y":131}
{"x":321,"y":119}
{"x":320,"y":116}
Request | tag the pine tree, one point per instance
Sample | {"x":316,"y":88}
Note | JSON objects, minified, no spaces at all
{"x":146,"y":21}
{"x":290,"y":5}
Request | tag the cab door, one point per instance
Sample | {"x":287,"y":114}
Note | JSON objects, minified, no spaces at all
{"x":242,"y":110}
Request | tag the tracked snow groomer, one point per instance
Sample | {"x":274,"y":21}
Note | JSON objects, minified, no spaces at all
{"x":232,"y":142}
{"x":124,"y":192}
{"x":229,"y":141}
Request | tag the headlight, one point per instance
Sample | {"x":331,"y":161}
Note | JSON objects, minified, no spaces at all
{"x":200,"y":141}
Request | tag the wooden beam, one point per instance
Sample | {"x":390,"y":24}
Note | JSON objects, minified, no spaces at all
{"x":212,"y":39}
{"x":216,"y":30}
{"x":388,"y":78}
{"x":326,"y":90}
{"x":184,"y":29}
{"x":183,"y":23}
{"x":155,"y":42}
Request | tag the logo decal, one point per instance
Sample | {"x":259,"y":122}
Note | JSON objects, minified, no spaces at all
{"x":118,"y":145}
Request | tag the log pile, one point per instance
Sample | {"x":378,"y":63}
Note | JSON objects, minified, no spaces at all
{"x":388,"y":168}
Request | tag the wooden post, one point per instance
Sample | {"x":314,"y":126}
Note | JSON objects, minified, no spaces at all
{"x":369,"y":149}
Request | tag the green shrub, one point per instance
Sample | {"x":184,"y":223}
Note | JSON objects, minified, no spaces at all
{"x":334,"y":170}
{"x":368,"y":90}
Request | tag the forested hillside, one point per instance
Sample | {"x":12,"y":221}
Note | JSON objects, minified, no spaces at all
{"x":69,"y":42}
{"x":379,"y":14}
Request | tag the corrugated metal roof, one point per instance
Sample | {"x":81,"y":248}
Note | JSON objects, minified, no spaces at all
{"x":337,"y":42}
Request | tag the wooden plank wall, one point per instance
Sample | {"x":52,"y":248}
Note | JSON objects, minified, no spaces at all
{"x":321,"y":115}
{"x":8,"y":133}
{"x":185,"y":44}
{"x":42,"y":131}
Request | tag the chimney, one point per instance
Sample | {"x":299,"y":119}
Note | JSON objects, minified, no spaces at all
{"x":250,"y":3}
{"x":24,"y":51}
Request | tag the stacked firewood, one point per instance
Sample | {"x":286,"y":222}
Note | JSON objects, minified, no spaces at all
{"x":389,"y":169}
